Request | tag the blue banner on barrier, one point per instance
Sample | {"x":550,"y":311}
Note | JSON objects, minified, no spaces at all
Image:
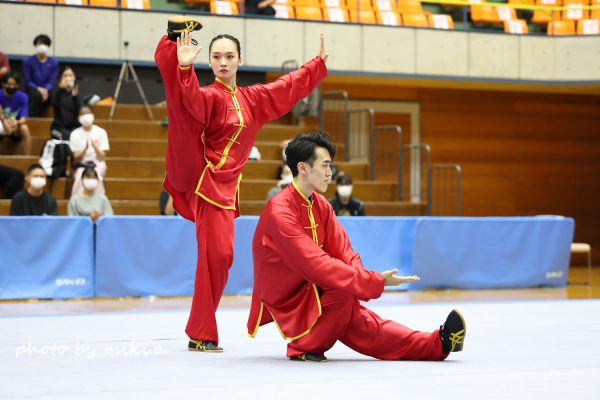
{"x":46,"y":257}
{"x":486,"y":253}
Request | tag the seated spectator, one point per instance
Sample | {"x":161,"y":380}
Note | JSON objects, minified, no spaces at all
{"x":34,"y":200}
{"x":4,"y":65}
{"x":89,"y":144}
{"x":66,"y":104}
{"x":343,"y":203}
{"x":89,"y":203}
{"x":260,"y":7}
{"x":14,"y":131}
{"x":285,"y":179}
{"x":165,"y":204}
{"x":11,"y":181}
{"x":40,"y":72}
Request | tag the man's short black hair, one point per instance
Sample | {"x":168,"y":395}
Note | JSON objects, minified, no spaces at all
{"x":43,"y":39}
{"x":11,"y":75}
{"x":34,"y":166}
{"x":302,"y":149}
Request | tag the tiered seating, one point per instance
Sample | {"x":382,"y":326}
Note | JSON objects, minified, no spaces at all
{"x":560,"y":27}
{"x":588,"y":27}
{"x":224,"y":7}
{"x":492,"y":15}
{"x":516,"y":26}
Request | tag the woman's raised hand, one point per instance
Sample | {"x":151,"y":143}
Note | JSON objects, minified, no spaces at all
{"x":186,"y":55}
{"x":322,"y":52}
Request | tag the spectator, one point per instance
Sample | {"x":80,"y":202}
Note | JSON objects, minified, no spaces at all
{"x":4,"y":65}
{"x":34,"y":200}
{"x":40,"y":72}
{"x":11,"y":181}
{"x":343,"y":203}
{"x":66,"y":104}
{"x":165,"y":204}
{"x":89,"y":203}
{"x":14,"y":107}
{"x":89,"y":144}
{"x":260,"y":7}
{"x":285,"y":179}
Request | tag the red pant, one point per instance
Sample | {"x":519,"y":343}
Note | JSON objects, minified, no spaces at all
{"x":344,"y":319}
{"x":214,"y":233}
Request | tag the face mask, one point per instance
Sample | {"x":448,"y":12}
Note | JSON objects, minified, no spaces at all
{"x":11,"y":90}
{"x":344,"y":191}
{"x":86,"y":119}
{"x":286,"y":179}
{"x":41,"y":49}
{"x":90,"y":183}
{"x":37,"y":182}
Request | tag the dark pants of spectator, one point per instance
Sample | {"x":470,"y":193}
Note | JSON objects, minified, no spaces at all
{"x":11,"y":181}
{"x":265,"y":11}
{"x":36,"y":105}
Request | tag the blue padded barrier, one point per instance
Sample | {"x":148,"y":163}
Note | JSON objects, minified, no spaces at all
{"x":46,"y":257}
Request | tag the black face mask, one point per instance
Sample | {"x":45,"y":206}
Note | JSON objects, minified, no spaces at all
{"x":11,"y":90}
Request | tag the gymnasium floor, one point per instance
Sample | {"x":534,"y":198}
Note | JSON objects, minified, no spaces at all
{"x":520,"y":344}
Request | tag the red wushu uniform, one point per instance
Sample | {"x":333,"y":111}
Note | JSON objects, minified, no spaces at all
{"x":309,"y":280}
{"x":210,"y":135}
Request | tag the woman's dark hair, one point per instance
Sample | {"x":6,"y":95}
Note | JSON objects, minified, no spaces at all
{"x":302,"y":149}
{"x":63,"y":69}
{"x":43,"y":39}
{"x":226,"y":36}
{"x":10,"y":75}
{"x":89,"y":172}
{"x":344,"y":180}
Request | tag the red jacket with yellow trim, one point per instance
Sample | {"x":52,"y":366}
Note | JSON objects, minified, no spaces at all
{"x":289,"y":264}
{"x":215,"y":126}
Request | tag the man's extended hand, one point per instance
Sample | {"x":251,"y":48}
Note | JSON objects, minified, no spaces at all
{"x":394,"y":280}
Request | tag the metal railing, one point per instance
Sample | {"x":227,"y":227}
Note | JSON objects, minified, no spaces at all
{"x":418,"y":152}
{"x":359,"y":143}
{"x":451,"y":178}
{"x":334,"y":105}
{"x":384,"y":158}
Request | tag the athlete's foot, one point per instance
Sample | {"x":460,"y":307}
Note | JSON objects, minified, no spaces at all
{"x":309,"y":357}
{"x":205,"y":346}
{"x":452,"y":333}
{"x":181,"y":23}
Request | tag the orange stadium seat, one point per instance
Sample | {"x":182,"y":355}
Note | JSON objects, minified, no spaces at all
{"x":516,"y":26}
{"x":136,"y":4}
{"x":41,"y":1}
{"x":74,"y":2}
{"x":560,"y":28}
{"x":574,"y":10}
{"x":310,"y":13}
{"x":410,"y":7}
{"x":363,"y":16}
{"x":415,"y":20}
{"x":440,"y":21}
{"x":335,"y":14}
{"x":388,"y":18}
{"x":333,"y":3}
{"x":359,"y":4}
{"x":484,"y":14}
{"x":385,"y":5}
{"x":224,"y":7}
{"x":283,"y":11}
{"x":103,"y":3}
{"x":588,"y":27}
{"x":307,"y":3}
{"x":542,"y":17}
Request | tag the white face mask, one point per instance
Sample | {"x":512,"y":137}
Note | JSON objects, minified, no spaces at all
{"x":86,"y":120}
{"x":41,"y":49}
{"x":286,"y":179}
{"x":37,"y":182}
{"x":90,"y":183}
{"x":344,"y":191}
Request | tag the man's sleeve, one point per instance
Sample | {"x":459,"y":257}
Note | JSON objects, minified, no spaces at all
{"x":16,"y":206}
{"x":274,"y":99}
{"x":337,"y":242}
{"x":305,"y":257}
{"x":53,"y":76}
{"x":24,"y":105}
{"x":53,"y":207}
{"x":197,"y":101}
{"x":28,"y":73}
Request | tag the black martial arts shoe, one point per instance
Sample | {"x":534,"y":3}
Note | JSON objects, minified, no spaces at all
{"x":205,"y":346}
{"x":309,"y":357}
{"x":453,"y":332}
{"x":182,"y":23}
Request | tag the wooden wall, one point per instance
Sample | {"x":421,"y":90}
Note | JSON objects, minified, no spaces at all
{"x":522,"y":153}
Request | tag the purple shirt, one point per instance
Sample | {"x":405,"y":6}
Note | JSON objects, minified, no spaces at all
{"x":40,"y":74}
{"x":16,"y":106}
